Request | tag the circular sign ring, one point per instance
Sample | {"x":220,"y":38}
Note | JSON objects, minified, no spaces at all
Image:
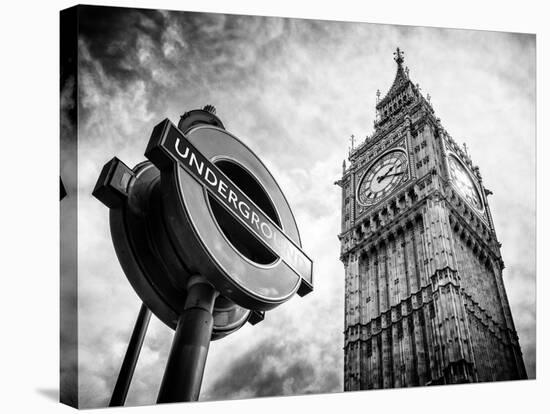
{"x":248,"y":283}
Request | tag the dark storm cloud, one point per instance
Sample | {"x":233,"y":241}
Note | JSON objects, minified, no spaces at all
{"x":249,"y":372}
{"x":272,"y":370}
{"x":113,"y":32}
{"x":151,"y":46}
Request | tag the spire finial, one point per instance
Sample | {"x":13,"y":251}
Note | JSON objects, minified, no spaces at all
{"x":398,"y":56}
{"x":352,"y":139}
{"x":377,"y":95}
{"x":407,"y":71}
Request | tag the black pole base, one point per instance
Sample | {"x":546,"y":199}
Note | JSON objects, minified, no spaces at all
{"x":185,"y":367}
{"x":130,"y":359}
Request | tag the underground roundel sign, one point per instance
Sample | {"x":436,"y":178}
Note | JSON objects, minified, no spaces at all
{"x":227,"y":217}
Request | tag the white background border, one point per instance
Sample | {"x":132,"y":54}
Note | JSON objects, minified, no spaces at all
{"x":30,"y":211}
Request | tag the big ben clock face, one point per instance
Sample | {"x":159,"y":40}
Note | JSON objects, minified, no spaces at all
{"x":462,"y":180}
{"x":382,"y":177}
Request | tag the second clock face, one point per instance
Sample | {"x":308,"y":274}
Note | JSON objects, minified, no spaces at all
{"x":382,"y":177}
{"x":464,"y":183}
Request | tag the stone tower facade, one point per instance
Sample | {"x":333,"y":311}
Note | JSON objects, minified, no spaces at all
{"x":425,"y":301}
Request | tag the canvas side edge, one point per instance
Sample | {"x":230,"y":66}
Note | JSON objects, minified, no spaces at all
{"x":68,"y":375}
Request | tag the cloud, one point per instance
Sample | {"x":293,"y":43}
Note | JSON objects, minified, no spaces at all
{"x":293,"y":91}
{"x":265,"y":372}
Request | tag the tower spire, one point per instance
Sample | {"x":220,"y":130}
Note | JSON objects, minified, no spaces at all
{"x":398,"y":56}
{"x":398,"y":93}
{"x":401,"y":77}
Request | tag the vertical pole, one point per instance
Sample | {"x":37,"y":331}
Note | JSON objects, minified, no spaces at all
{"x":130,"y":359}
{"x":185,"y":367}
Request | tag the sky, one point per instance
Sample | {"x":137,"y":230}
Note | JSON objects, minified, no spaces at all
{"x":293,"y":90}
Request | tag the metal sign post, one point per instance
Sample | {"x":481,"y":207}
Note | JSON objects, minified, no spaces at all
{"x":130,"y":358}
{"x":185,"y":367}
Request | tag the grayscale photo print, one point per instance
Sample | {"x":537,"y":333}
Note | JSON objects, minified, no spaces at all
{"x":267,"y":206}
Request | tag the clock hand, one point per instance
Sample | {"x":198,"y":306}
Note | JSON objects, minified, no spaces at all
{"x":388,"y":175}
{"x":387,"y":172}
{"x":397,"y":173}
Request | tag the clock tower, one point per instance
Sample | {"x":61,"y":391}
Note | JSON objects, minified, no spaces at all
{"x":425,"y":301}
